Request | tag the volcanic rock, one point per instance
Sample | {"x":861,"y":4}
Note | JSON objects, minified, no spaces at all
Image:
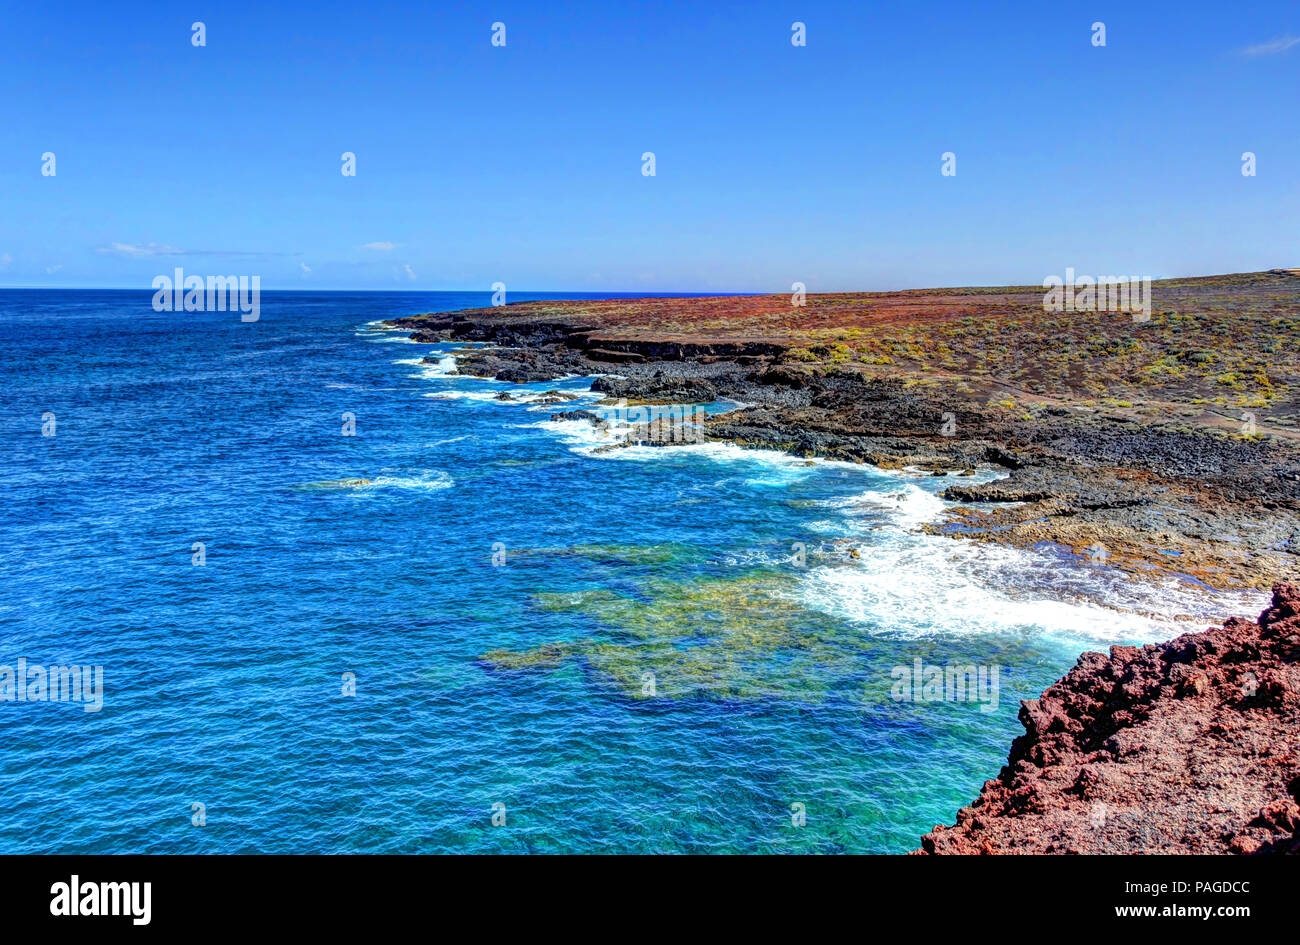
{"x":1190,"y":746}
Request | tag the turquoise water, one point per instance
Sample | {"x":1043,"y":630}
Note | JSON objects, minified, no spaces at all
{"x":223,"y":683}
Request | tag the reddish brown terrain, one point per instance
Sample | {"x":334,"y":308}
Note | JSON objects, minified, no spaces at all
{"x":1212,"y":345}
{"x":1190,"y":746}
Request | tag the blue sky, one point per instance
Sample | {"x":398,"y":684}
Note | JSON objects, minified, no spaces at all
{"x":522,"y":164}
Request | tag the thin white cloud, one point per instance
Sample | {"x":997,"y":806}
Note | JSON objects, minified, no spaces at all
{"x":408,"y":271}
{"x":306,"y":269}
{"x":52,"y":269}
{"x":5,"y":261}
{"x":134,"y":251}
{"x":148,"y":249}
{"x":1273,"y":48}
{"x":382,"y":246}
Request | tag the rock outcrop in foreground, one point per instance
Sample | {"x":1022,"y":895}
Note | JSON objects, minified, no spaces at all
{"x":1190,"y":746}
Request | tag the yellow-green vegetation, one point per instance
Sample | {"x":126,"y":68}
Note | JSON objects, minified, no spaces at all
{"x":837,"y":353}
{"x":717,"y":638}
{"x":1219,"y":341}
{"x":1096,"y":353}
{"x":833,"y":353}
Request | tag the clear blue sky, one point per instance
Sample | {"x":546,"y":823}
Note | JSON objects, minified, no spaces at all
{"x":523,"y":164}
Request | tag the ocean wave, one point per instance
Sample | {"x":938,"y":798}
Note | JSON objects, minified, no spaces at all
{"x":442,"y":369}
{"x":777,"y":468}
{"x":425,"y":480}
{"x":905,"y":507}
{"x":913,"y":584}
{"x":481,"y":396}
{"x":331,"y":385}
{"x":539,"y":400}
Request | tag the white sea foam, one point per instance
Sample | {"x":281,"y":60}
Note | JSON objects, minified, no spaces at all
{"x":419,"y":480}
{"x":442,"y":369}
{"x":906,"y":506}
{"x":432,"y":480}
{"x":773,"y":466}
{"x":538,"y":400}
{"x":476,"y":395}
{"x":532,"y":400}
{"x":415,"y":478}
{"x":914,"y":584}
{"x":371,"y":329}
{"x":364,"y":387}
{"x":580,"y":436}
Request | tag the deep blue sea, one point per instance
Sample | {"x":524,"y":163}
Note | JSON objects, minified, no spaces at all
{"x":651,"y":649}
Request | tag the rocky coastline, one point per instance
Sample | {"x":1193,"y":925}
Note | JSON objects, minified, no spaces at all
{"x":1149,"y":448}
{"x":1176,"y":487}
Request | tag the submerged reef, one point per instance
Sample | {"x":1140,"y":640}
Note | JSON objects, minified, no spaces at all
{"x":749,"y":638}
{"x":718,"y":638}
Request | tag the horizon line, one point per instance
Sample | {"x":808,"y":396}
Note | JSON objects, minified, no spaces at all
{"x":660,"y":292}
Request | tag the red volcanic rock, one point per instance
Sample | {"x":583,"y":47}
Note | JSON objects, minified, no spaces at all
{"x":1190,"y":746}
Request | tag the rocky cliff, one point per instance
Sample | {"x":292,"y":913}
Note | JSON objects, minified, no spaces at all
{"x":1190,"y":746}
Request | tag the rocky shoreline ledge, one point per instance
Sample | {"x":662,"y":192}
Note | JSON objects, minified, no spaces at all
{"x":1124,"y":442}
{"x":1190,"y":746}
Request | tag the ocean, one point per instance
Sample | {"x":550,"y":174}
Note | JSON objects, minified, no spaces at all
{"x":345,"y":600}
